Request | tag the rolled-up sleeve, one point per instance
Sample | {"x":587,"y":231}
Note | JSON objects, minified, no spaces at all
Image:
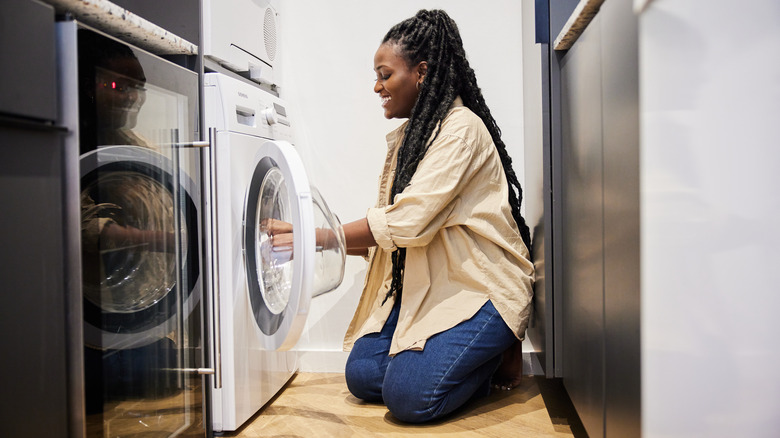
{"x":423,"y":208}
{"x":377,"y":222}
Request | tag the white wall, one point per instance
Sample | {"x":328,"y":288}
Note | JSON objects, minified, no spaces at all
{"x":710,"y":155}
{"x":326,"y":56}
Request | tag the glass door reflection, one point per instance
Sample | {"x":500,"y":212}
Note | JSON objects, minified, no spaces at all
{"x":140,"y":205}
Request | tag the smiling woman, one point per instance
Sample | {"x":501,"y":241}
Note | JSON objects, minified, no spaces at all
{"x":429,"y":335}
{"x":397,"y":82}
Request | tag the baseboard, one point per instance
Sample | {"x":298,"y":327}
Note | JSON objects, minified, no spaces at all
{"x":326,"y":361}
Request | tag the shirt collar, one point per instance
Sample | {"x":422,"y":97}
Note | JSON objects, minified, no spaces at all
{"x":393,"y":136}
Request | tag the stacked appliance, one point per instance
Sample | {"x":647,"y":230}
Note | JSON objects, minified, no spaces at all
{"x":260,"y":292}
{"x":133,"y":116}
{"x":241,"y":36}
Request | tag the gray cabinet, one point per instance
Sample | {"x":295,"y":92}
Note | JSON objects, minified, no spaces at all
{"x":592,"y":133}
{"x":582,"y":231}
{"x":620,"y":115}
{"x":40,"y":395}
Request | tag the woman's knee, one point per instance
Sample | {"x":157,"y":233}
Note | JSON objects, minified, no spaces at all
{"x":407,"y":404}
{"x":364,"y":379}
{"x":412,"y":401}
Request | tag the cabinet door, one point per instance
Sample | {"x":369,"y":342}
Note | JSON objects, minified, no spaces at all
{"x":599,"y":152}
{"x":32,"y":302}
{"x":28,"y":85}
{"x":620,"y":108}
{"x":583,"y":228}
{"x":141,"y":236}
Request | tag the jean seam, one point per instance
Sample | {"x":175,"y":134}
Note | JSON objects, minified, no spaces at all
{"x":446,"y":373}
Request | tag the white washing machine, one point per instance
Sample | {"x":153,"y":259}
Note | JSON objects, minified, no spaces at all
{"x":260,"y":294}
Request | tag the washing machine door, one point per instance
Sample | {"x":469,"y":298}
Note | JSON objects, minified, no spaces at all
{"x":293,"y":245}
{"x":140,"y":246}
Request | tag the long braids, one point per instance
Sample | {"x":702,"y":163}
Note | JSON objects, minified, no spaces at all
{"x":432,"y":36}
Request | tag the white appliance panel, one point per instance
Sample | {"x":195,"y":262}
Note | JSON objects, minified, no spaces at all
{"x":242,"y":36}
{"x":251,"y":157}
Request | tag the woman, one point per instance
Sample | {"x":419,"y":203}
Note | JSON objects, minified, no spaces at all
{"x":449,"y":283}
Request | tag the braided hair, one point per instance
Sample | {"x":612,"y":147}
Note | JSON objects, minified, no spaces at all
{"x":432,"y":36}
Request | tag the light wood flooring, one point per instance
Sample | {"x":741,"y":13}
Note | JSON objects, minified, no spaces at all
{"x":319,"y":405}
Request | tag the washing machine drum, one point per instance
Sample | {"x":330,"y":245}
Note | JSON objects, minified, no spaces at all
{"x":140,"y":262}
{"x":283,"y":277}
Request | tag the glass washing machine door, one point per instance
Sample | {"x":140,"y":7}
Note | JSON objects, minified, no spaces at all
{"x":294,"y":247}
{"x":140,"y":240}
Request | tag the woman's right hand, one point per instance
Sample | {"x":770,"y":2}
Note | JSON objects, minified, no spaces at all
{"x":273,"y":227}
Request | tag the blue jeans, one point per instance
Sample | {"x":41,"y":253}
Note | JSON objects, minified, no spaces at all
{"x":419,"y":386}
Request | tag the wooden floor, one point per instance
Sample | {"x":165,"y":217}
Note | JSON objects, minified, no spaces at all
{"x":319,"y":405}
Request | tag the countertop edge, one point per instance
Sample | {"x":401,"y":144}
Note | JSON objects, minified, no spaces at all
{"x":119,"y":22}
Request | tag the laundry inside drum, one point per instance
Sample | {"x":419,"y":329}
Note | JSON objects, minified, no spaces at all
{"x":274,"y":266}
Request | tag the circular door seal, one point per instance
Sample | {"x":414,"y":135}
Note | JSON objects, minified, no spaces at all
{"x":279,"y":279}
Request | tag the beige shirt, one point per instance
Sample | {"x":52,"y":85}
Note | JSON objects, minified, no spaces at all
{"x":462,"y":245}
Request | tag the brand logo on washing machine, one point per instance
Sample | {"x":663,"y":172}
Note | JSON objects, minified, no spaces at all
{"x":240,"y":94}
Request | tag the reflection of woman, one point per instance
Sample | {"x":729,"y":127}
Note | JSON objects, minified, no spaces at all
{"x":449,"y":284}
{"x":113,"y":82}
{"x":127,"y":231}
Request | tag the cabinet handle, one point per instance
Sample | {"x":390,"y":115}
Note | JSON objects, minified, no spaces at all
{"x":19,"y":123}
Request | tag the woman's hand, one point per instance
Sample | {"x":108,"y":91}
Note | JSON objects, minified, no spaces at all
{"x":114,"y":237}
{"x":280,"y":233}
{"x":275,"y":226}
{"x":282,"y":242}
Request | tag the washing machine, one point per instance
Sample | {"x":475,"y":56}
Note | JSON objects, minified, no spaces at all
{"x":260,"y":291}
{"x":134,"y":118}
{"x":131,"y":289}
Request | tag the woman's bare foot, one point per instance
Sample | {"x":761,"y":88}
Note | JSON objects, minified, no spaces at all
{"x":510,"y":373}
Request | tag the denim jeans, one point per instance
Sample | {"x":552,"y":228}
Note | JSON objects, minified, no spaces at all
{"x":419,"y":386}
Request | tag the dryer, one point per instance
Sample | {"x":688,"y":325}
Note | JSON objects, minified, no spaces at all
{"x":260,"y":295}
{"x":241,"y":35}
{"x":133,"y":117}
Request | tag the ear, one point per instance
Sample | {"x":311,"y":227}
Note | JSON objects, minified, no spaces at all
{"x":422,"y":70}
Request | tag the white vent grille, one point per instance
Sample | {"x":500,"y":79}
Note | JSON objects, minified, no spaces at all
{"x":269,"y":33}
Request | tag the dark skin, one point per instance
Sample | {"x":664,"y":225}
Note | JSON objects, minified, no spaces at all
{"x":357,"y":235}
{"x":397,"y":84}
{"x":156,"y":241}
{"x":510,"y":373}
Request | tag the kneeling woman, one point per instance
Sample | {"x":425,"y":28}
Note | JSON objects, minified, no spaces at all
{"x":449,"y":281}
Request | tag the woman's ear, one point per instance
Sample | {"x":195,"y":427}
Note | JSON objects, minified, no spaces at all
{"x":422,"y":70}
